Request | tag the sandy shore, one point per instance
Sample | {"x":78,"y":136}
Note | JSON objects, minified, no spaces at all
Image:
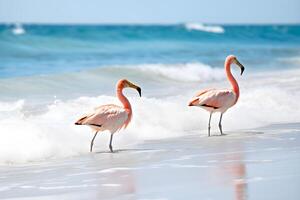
{"x":259,"y":164}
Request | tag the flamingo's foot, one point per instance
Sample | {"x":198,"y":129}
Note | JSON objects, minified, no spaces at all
{"x":111,"y":149}
{"x":221,"y":130}
{"x":91,"y":148}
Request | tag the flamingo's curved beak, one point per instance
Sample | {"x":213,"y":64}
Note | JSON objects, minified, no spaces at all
{"x":135,"y":87}
{"x":240,"y":65}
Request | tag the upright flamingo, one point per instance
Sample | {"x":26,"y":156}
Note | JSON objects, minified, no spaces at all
{"x":110,"y":117}
{"x":219,"y":100}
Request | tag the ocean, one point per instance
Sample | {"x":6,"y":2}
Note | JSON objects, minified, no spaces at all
{"x":52,"y":74}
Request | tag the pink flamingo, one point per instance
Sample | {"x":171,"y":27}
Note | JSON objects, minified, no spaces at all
{"x":110,"y":117}
{"x":216,"y":100}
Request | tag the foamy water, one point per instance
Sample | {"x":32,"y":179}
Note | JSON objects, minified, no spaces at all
{"x":205,"y":28}
{"x":28,"y":134}
{"x":189,"y":72}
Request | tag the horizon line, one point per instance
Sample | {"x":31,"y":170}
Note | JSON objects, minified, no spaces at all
{"x":146,"y":23}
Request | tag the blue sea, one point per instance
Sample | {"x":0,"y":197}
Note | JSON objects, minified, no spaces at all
{"x":52,"y":74}
{"x":50,"y":49}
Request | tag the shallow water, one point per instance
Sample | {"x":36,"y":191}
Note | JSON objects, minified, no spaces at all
{"x":250,"y":164}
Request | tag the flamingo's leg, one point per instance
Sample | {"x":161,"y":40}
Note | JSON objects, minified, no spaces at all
{"x":220,"y":124}
{"x":209,"y":124}
{"x":110,"y":142}
{"x":92,"y":142}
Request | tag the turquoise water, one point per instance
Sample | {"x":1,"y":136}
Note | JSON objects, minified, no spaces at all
{"x":45,"y":49}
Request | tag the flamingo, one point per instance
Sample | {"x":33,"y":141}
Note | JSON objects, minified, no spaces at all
{"x":219,"y":100}
{"x":110,"y":117}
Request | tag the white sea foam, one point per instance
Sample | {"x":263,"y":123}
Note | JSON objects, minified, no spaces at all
{"x":205,"y":28}
{"x":188,"y":72}
{"x":11,"y":106}
{"x":18,"y":29}
{"x":51,"y":133}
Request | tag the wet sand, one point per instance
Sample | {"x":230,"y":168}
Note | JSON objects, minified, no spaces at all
{"x":250,"y":164}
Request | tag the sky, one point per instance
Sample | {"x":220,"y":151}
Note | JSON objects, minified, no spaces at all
{"x":150,"y":11}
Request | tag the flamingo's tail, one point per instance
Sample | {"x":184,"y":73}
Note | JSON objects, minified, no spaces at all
{"x":194,"y":102}
{"x":80,"y":121}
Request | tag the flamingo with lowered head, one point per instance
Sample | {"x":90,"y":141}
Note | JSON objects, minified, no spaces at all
{"x":219,"y":100}
{"x":110,"y":117}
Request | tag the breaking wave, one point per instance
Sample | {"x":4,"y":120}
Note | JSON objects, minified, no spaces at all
{"x":32,"y":136}
{"x":189,"y":72}
{"x":205,"y":28}
{"x":18,"y":29}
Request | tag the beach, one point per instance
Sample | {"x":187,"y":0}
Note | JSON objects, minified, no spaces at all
{"x":248,"y":164}
{"x":50,"y":75}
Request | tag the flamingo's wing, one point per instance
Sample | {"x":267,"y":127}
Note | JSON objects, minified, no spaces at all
{"x":202,"y":92}
{"x":107,"y":117}
{"x":215,"y":99}
{"x":195,"y":100}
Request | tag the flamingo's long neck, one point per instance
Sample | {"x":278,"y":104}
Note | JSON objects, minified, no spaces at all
{"x":126,"y":104}
{"x":231,"y":79}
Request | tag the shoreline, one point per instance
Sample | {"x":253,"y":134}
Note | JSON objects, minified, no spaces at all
{"x":259,"y":163}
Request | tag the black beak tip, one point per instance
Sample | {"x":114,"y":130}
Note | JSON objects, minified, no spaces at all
{"x":139,"y":91}
{"x":242,"y":70}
